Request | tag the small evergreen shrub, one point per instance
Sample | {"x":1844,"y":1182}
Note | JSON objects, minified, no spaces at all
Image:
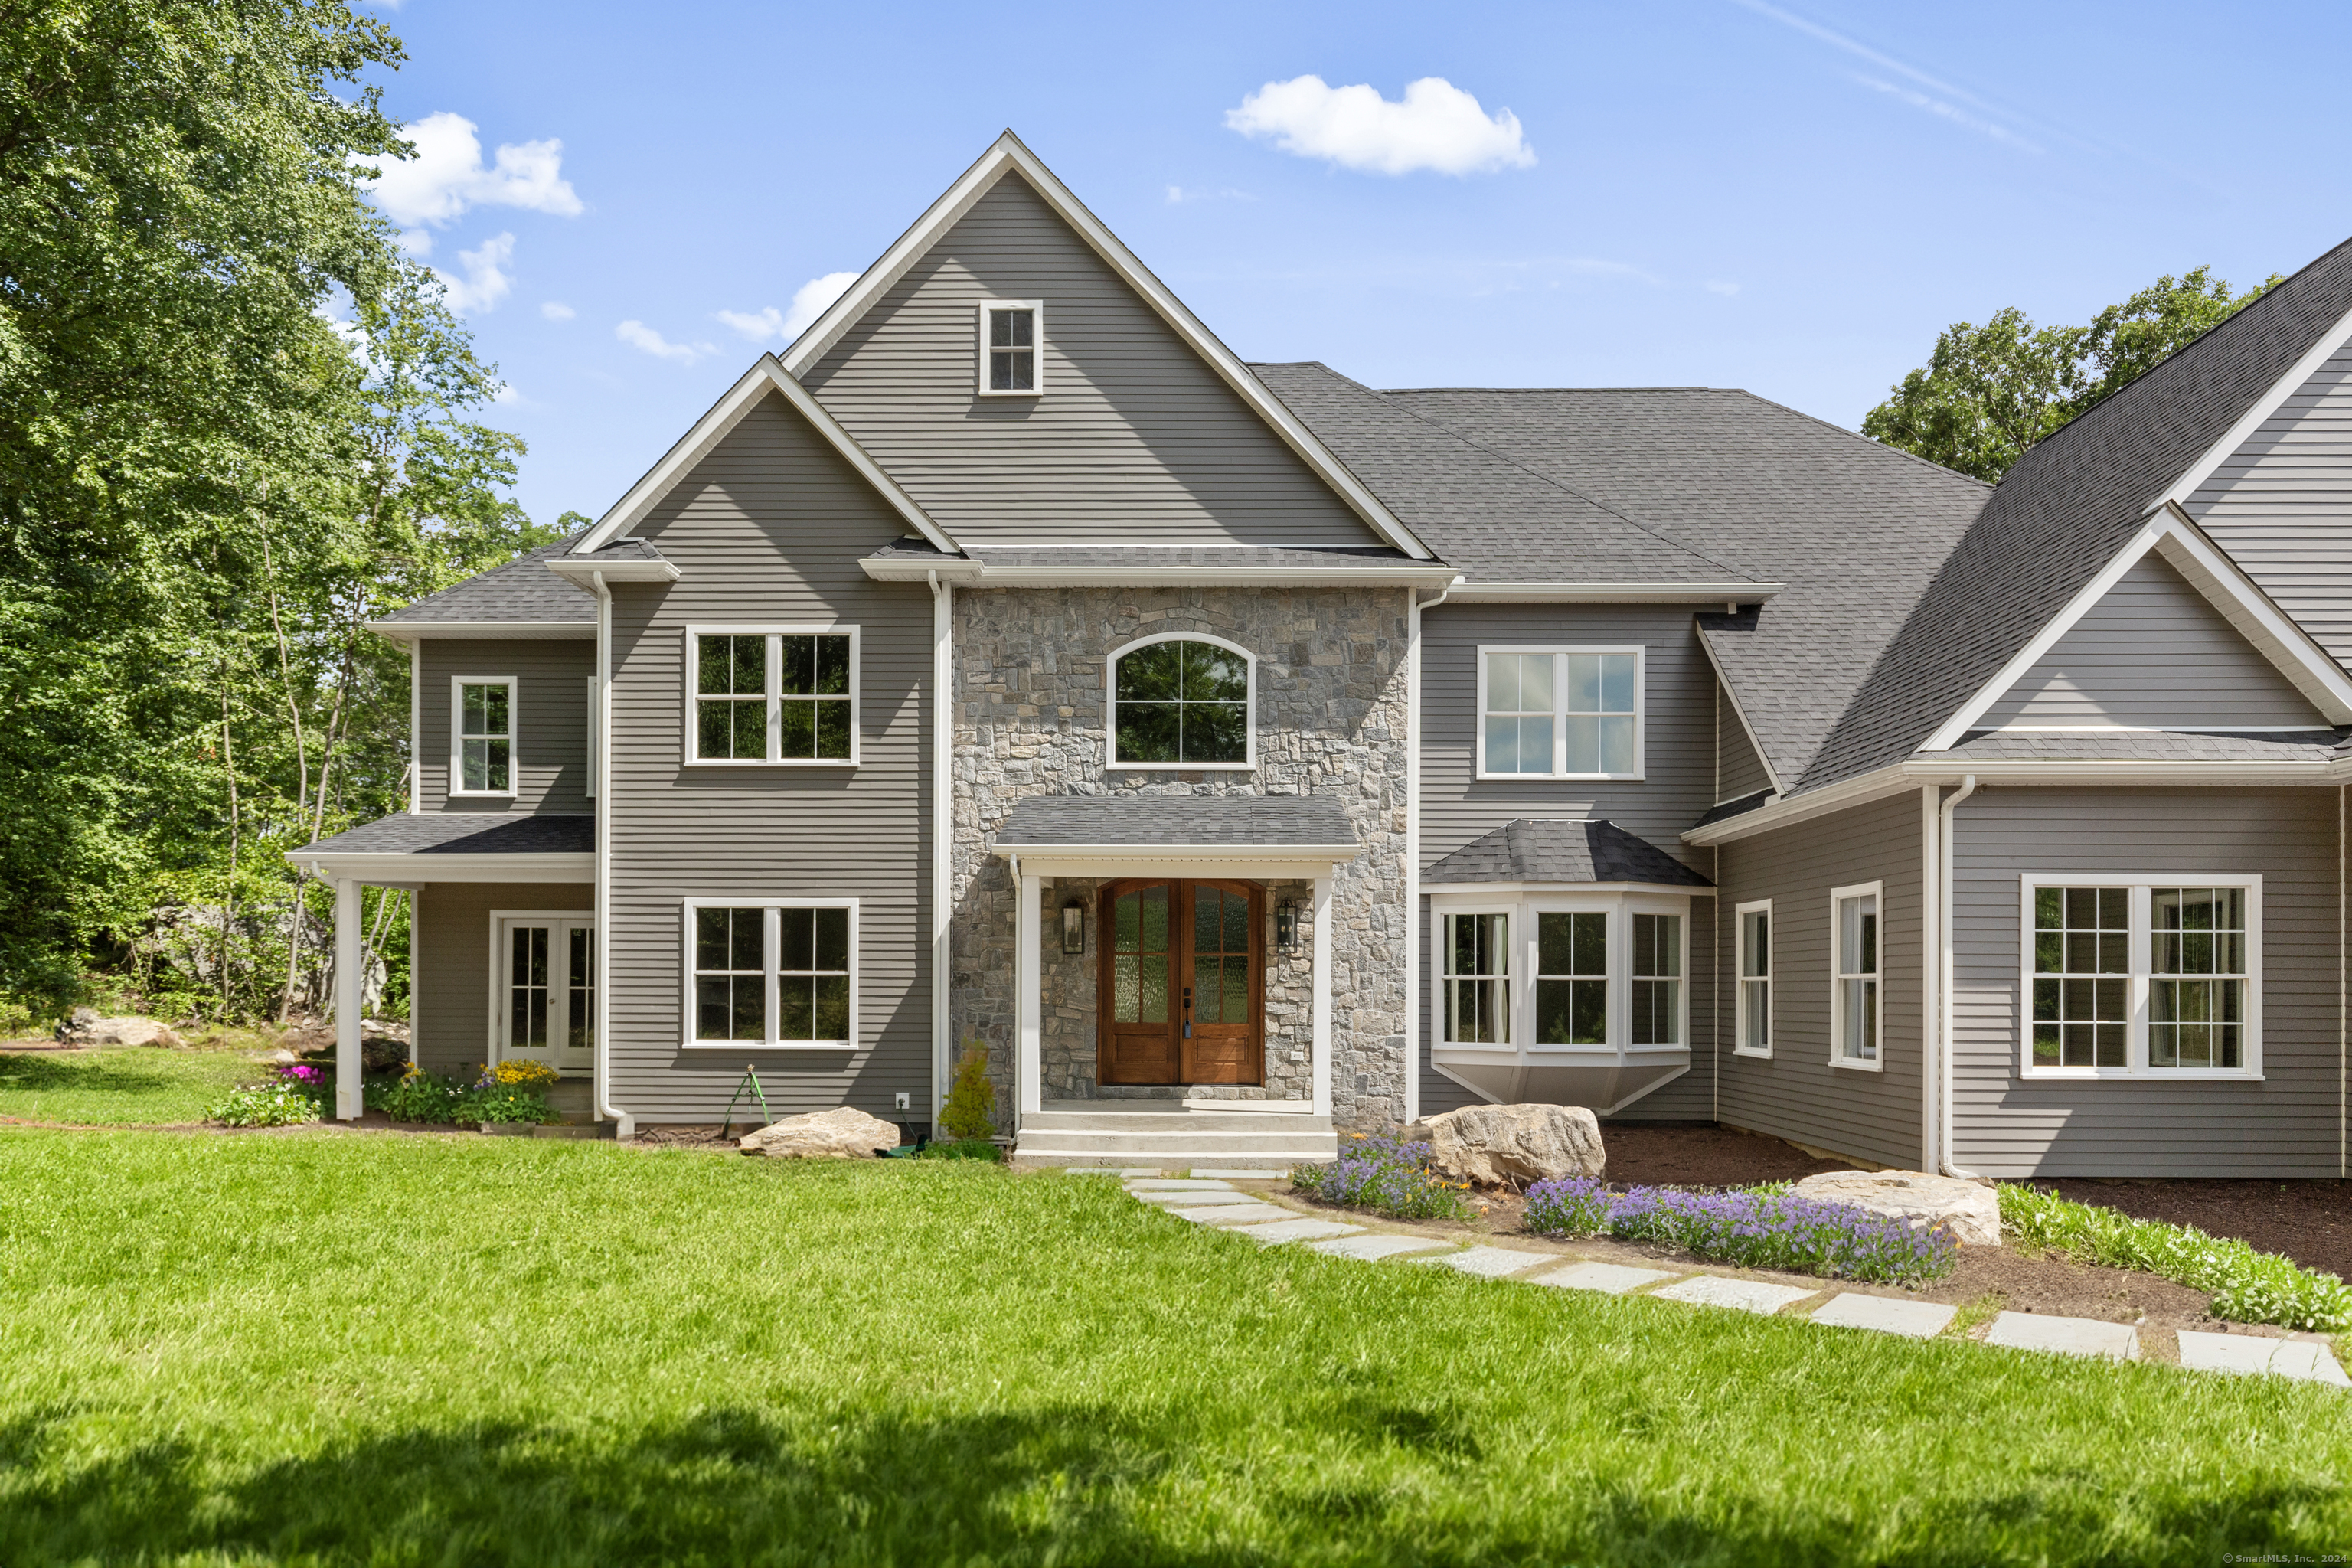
{"x":1752,"y":1229}
{"x":1387,"y":1176}
{"x":972,"y":1098}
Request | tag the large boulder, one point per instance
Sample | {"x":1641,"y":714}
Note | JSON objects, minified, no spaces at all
{"x":87,"y":1028}
{"x":1511,"y":1146}
{"x":1973,"y":1211}
{"x":846,"y":1133}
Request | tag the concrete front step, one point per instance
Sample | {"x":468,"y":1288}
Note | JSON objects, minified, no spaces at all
{"x":1059,"y":1119}
{"x":1089,"y":1132}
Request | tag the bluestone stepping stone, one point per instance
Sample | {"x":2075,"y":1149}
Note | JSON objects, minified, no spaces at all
{"x":1245,"y":1175}
{"x":1489,"y":1262}
{"x":1294,"y":1230}
{"x":1196,"y":1196}
{"x":2066,"y":1336}
{"x":1178,"y":1185}
{"x":1369,"y":1247}
{"x":1608,"y":1278}
{"x":2306,"y":1360}
{"x":1108,"y":1170}
{"x":1741,"y":1295}
{"x":1919,"y":1319}
{"x":1232,"y":1213}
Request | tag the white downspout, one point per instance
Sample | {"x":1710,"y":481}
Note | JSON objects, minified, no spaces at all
{"x":942,"y":820}
{"x":625,"y":1124}
{"x":1944,"y":979}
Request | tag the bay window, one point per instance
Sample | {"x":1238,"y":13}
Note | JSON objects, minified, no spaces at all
{"x":1557,"y":975}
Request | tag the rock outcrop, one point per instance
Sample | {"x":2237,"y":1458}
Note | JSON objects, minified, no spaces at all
{"x":1973,"y":1211}
{"x":845,"y":1133}
{"x":1511,"y":1146}
{"x":85,"y":1027}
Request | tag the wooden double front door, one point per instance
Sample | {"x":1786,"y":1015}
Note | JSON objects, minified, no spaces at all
{"x":1182,"y":991}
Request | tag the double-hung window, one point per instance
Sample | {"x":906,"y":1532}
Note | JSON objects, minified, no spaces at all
{"x":772,"y":695}
{"x":1656,"y":984}
{"x":1012,"y":348}
{"x":1752,"y":1028}
{"x":778,"y":975}
{"x":1573,"y":713}
{"x":1854,"y":1000}
{"x":1478,"y":988}
{"x":482,"y":734}
{"x":2142,"y":976}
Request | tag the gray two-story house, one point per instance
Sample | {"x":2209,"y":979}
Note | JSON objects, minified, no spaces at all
{"x":1242,"y":756}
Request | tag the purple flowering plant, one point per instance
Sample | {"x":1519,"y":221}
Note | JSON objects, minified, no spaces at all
{"x":1753,"y":1229}
{"x":1387,"y":1176}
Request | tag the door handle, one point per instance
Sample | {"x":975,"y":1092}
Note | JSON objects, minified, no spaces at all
{"x":1188,"y":1012}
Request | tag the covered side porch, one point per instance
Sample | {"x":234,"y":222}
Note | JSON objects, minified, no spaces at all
{"x":1173,"y":975}
{"x":504,"y":961}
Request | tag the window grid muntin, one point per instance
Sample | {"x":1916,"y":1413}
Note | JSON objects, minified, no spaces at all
{"x":2244,"y":994}
{"x":2082,"y":976}
{"x":1611,"y":679}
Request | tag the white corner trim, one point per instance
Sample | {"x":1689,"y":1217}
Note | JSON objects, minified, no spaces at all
{"x":769,"y":375}
{"x":1008,"y":154}
{"x":1771,"y":773}
{"x":2323,"y":350}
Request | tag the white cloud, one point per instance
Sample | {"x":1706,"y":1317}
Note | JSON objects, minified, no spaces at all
{"x":1717,"y":286}
{"x":636,"y":334}
{"x":447,"y":175}
{"x":810,"y":301}
{"x":507,"y":396}
{"x":557,"y":310}
{"x":1438,"y":126}
{"x":486,"y":281}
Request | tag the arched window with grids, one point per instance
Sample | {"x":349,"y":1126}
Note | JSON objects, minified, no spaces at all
{"x":1182,"y":700}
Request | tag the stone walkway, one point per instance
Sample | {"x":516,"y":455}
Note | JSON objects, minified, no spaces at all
{"x":1210,"y":1198}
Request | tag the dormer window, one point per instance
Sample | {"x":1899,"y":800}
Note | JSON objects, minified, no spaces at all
{"x":1012,"y":348}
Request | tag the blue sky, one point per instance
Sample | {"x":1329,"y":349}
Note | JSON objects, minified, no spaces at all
{"x":1793,"y":199}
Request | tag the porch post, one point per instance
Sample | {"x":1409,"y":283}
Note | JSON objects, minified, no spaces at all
{"x":1322,"y":1003}
{"x":1029,"y":938}
{"x":348,"y":990}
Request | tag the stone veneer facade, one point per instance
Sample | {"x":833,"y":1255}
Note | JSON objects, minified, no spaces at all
{"x":1030,"y":679}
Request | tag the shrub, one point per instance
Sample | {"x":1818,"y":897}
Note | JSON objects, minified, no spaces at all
{"x":522,"y":1075}
{"x":490,"y":1100}
{"x":282,"y":1102}
{"x":1387,"y":1176}
{"x":971,"y":1100}
{"x":1751,"y":1229}
{"x":421,"y":1095}
{"x":960,"y":1149}
{"x":2252,"y":1287}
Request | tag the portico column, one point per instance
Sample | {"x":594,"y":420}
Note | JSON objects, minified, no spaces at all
{"x":1030,"y":979}
{"x":1321,"y":1011}
{"x":348,"y":990}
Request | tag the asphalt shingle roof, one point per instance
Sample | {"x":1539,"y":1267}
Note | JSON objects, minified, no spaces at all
{"x":1575,"y":850}
{"x":463,"y":833}
{"x":521,"y":589}
{"x":1241,"y":821}
{"x":2143,"y":745}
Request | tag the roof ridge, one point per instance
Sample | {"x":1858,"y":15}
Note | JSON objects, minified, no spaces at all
{"x":1858,"y":435}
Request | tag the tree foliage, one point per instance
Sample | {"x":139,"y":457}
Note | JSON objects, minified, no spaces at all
{"x":1988,"y":392}
{"x":233,"y":427}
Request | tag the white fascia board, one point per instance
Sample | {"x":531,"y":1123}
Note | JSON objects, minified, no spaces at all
{"x":768,"y":374}
{"x":2321,"y":351}
{"x":1858,"y":790}
{"x":1283,"y":862}
{"x":1474,"y":591}
{"x":2229,"y":590}
{"x":1009,"y":154}
{"x":1436,"y":890}
{"x":1771,"y":772}
{"x":412,"y":870}
{"x":969,"y":573}
{"x":410,"y":631}
{"x":584,"y":572}
{"x":2116,"y":770}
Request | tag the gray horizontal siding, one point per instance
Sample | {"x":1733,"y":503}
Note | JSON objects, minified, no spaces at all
{"x":2279,"y":505}
{"x":550,"y":724}
{"x":769,"y":528}
{"x":2006,"y":1124}
{"x":1134,"y":432}
{"x":451,"y":1010}
{"x":1795,"y":1093}
{"x":1739,"y":768}
{"x":2153,"y":653}
{"x":1679,"y":767}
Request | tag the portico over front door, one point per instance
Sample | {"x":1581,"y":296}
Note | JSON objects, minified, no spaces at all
{"x":1181,"y":992}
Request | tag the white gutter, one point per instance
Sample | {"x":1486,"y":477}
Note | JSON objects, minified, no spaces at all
{"x":1476,"y":593}
{"x":625,"y":1124}
{"x":1126,"y":574}
{"x":942,"y":825}
{"x":1943,"y":1031}
{"x":1791,"y":809}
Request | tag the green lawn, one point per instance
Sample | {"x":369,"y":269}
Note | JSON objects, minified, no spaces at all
{"x":350,"y":1348}
{"x":120,"y":1085}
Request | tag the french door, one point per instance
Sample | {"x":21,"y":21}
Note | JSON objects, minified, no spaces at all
{"x":545,"y":1009}
{"x":1182,"y":994}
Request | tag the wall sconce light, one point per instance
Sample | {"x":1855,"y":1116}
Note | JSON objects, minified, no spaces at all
{"x":1074,"y":927}
{"x":1285,"y":926}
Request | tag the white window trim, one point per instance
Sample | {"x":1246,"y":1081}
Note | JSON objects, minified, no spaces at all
{"x":458,"y":684}
{"x":1510,"y":978}
{"x":1772,"y":978}
{"x":2142,"y":947}
{"x":689,"y":737}
{"x":1036,"y":349}
{"x":1560,"y":696}
{"x":770,"y":939}
{"x":1110,"y":687}
{"x":1838,"y":1059}
{"x":502,"y":922}
{"x":1519,"y":983}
